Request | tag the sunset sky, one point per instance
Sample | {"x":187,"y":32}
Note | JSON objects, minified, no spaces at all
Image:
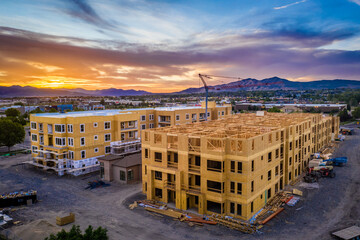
{"x":161,"y":46}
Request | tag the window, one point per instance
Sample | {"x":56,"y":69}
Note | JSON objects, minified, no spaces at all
{"x":60,"y":141}
{"x":83,"y":154}
{"x":239,"y":188}
{"x":151,"y":117}
{"x":269,"y":156}
{"x":146,"y":152}
{"x":223,"y":113}
{"x":40,"y":127}
{"x":70,"y":155}
{"x":239,"y":210}
{"x":177,"y":117}
{"x":34,"y":137}
{"x":215,"y":166}
{"x":158,"y":192}
{"x":70,"y":128}
{"x":41,"y":139}
{"x":252,"y":165}
{"x":239,"y":167}
{"x":108,"y":137}
{"x":107,"y":149}
{"x":187,"y":116}
{"x":95,"y":124}
{"x":232,"y":169}
{"x":34,"y":149}
{"x":269,"y":175}
{"x":107,"y":125}
{"x":122,"y":175}
{"x":232,"y":187}
{"x":252,"y":206}
{"x":158,"y":175}
{"x":208,"y":114}
{"x":290,"y":160}
{"x":33,"y":125}
{"x":59,"y":128}
{"x":96,"y":150}
{"x":82,"y":141}
{"x":131,"y":134}
{"x":130,"y":175}
{"x":96,"y":137}
{"x":277,"y":153}
{"x":252,"y":186}
{"x":70,"y":141}
{"x":143,"y":118}
{"x":151,"y":125}
{"x":122,"y":136}
{"x":82,"y":128}
{"x":276,"y":170}
{"x":232,"y":208}
{"x":143,"y":126}
{"x":158,"y":156}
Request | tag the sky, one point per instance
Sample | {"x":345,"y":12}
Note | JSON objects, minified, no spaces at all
{"x":162,"y":45}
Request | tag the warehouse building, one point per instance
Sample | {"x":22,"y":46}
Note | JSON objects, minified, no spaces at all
{"x":231,"y":166}
{"x":72,"y":142}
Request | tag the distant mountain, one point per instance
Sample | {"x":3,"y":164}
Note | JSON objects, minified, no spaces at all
{"x":275,"y":83}
{"x":18,"y":91}
{"x":249,"y":84}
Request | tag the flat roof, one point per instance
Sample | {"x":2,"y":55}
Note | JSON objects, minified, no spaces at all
{"x":293,"y":104}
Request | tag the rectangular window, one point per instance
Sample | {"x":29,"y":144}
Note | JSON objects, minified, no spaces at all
{"x":239,"y":167}
{"x":108,"y":137}
{"x":239,"y":188}
{"x":143,"y":126}
{"x":232,"y":208}
{"x":290,"y":160}
{"x":269,"y":156}
{"x":107,"y":149}
{"x":215,"y":166}
{"x":187,"y":116}
{"x":83,"y":154}
{"x":96,"y":137}
{"x":71,"y":155}
{"x":95,"y":124}
{"x":252,"y":165}
{"x":82,"y":128}
{"x":239,"y":213}
{"x":70,"y":141}
{"x":96,"y":150}
{"x":151,"y":117}
{"x":232,"y":169}
{"x":60,"y":128}
{"x":122,"y":175}
{"x":252,"y":206}
{"x":82,"y":141}
{"x":277,"y":153}
{"x":131,"y":134}
{"x":70,"y":128}
{"x":34,"y":137}
{"x":232,"y":187}
{"x":107,"y":125}
{"x":252,"y":186}
{"x":122,"y":136}
{"x":143,"y":118}
{"x":158,"y":156}
{"x":151,"y":125}
{"x":223,"y":113}
{"x":146,"y":152}
{"x":130,"y":175}
{"x":269,"y":175}
{"x":158,"y":175}
{"x":34,"y":149}
{"x":33,"y":125}
{"x":60,"y":141}
{"x":40,"y":127}
{"x":177,"y":117}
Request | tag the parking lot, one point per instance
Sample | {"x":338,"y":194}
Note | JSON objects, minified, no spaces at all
{"x":334,"y":205}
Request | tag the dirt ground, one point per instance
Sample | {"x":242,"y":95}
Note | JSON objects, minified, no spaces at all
{"x":334,"y":205}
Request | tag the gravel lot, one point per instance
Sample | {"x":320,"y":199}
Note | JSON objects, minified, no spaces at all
{"x":321,"y":211}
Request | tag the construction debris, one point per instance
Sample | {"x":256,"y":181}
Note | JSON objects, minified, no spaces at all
{"x":234,"y":224}
{"x":297,"y":192}
{"x":271,"y":216}
{"x":17,"y":198}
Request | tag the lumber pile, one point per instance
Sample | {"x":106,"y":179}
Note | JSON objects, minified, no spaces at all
{"x":166,"y":212}
{"x":234,"y":224}
{"x":65,"y":220}
{"x":272,"y":206}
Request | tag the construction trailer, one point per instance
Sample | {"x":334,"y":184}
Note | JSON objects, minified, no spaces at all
{"x":231,"y":166}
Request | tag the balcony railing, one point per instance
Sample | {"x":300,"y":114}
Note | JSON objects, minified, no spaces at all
{"x":169,"y":185}
{"x":172,"y":165}
{"x":194,"y":168}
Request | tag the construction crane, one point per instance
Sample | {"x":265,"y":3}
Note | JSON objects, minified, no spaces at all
{"x":202,"y":76}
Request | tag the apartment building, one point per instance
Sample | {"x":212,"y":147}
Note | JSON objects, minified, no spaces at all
{"x":231,"y":166}
{"x":71,"y":142}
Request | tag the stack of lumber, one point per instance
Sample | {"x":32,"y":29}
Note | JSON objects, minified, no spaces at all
{"x":272,"y":206}
{"x":61,"y":221}
{"x":166,"y":212}
{"x":234,"y":224}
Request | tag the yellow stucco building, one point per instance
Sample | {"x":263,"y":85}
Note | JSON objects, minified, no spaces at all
{"x":231,"y":166}
{"x":71,"y":142}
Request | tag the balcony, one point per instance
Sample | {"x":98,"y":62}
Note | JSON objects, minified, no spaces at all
{"x":172,"y":165}
{"x":169,"y":185}
{"x":192,"y":189}
{"x":194,"y":168}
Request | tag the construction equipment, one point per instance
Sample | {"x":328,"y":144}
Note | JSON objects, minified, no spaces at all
{"x":324,"y":171}
{"x":340,"y":161}
{"x":347,"y":131}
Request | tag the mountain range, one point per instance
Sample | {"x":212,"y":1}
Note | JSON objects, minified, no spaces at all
{"x":250,"y":84}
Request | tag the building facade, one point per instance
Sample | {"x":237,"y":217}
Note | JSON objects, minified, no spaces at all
{"x":231,"y":166}
{"x":71,"y":142}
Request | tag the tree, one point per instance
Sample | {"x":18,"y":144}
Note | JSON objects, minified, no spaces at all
{"x":19,"y":104}
{"x":356,"y":112}
{"x":11,"y":133}
{"x":274,"y":109}
{"x":344,"y":115}
{"x":37,"y":110}
{"x":353,"y":102}
{"x":12,"y":112}
{"x":76,"y":234}
{"x":53,"y":110}
{"x":102,"y":101}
